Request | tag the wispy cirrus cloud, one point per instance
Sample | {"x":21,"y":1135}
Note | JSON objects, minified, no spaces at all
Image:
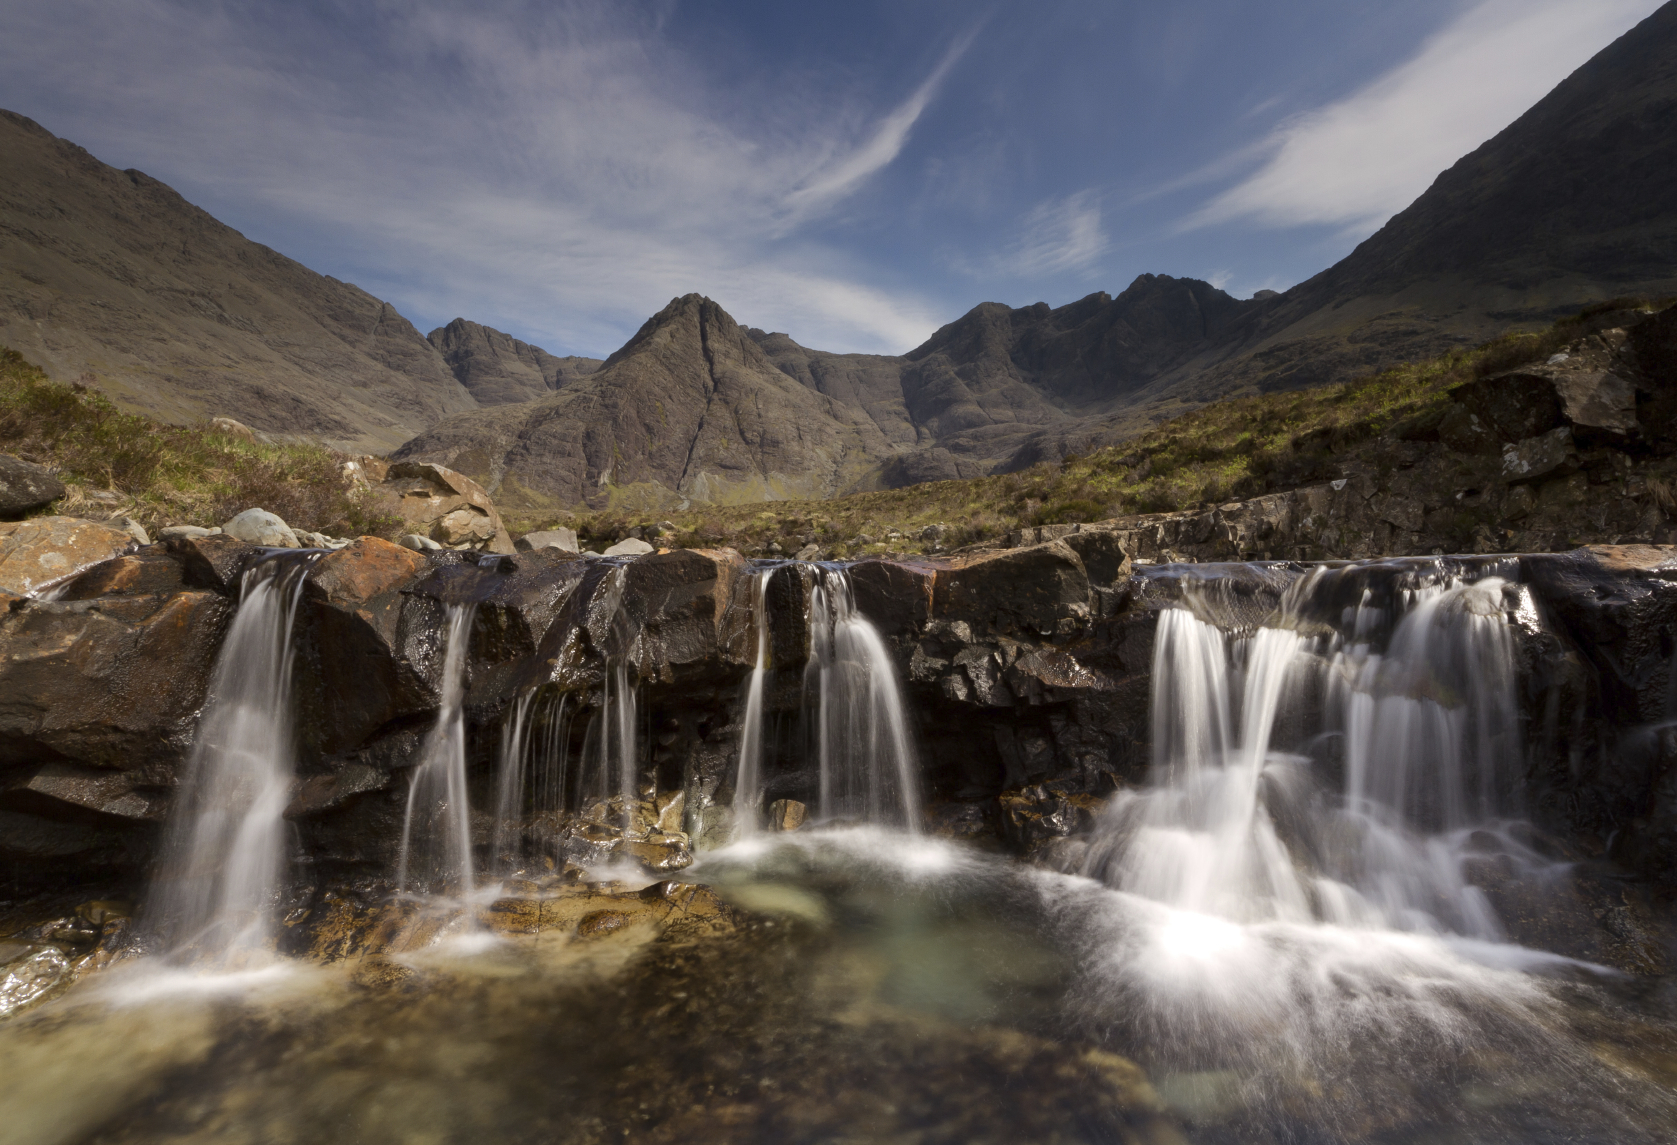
{"x":558,"y":169}
{"x":1356,"y":162}
{"x":1055,"y":237}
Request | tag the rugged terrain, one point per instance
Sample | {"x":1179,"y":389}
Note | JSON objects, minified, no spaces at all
{"x":111,"y":278}
{"x":498,"y":368}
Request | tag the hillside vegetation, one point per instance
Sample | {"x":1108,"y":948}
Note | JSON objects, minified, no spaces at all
{"x":1228,"y":450}
{"x":118,"y":463}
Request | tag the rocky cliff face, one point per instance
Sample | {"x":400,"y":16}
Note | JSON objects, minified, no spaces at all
{"x":691,"y":407}
{"x":695,"y":407}
{"x":497,"y":368}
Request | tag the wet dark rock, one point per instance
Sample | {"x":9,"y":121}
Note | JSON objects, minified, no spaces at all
{"x":25,"y":486}
{"x":684,"y":608}
{"x":356,"y":676}
{"x":148,"y":572}
{"x":113,"y":682}
{"x":214,"y":561}
{"x":1042,"y":590}
{"x":1032,"y":816}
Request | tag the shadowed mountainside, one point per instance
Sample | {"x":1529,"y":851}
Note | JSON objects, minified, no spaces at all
{"x":111,"y":277}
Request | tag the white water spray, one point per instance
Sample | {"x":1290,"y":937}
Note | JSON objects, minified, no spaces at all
{"x":1235,"y":828}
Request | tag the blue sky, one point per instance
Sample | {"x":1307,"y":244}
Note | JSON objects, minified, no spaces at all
{"x":855,"y":174}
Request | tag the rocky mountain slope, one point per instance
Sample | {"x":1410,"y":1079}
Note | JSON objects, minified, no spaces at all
{"x":690,"y":408}
{"x":1571,"y":203}
{"x":498,"y":368}
{"x":112,"y":277}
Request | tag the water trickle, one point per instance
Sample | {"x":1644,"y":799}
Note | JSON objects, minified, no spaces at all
{"x":866,"y":756}
{"x":436,"y":854}
{"x":533,"y":783}
{"x":748,"y":786}
{"x":224,"y":852}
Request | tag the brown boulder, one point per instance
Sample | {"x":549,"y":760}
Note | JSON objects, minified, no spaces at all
{"x":144,"y":573}
{"x":366,"y":568}
{"x":215,"y":561}
{"x":359,"y":680}
{"x":114,"y":683}
{"x":446,"y":506}
{"x":40,"y":551}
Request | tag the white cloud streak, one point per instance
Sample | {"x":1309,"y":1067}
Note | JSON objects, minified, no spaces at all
{"x":1057,"y":237}
{"x":560,"y":171}
{"x":1355,"y":163}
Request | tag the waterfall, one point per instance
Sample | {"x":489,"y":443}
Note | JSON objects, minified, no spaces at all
{"x":867,"y":764}
{"x":224,"y":852}
{"x":511,"y":776}
{"x":1234,"y":826}
{"x":532,"y":780}
{"x":436,"y":854}
{"x":748,"y":785}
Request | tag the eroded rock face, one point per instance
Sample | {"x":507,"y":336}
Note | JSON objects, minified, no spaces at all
{"x":1027,"y":674}
{"x":112,"y":682}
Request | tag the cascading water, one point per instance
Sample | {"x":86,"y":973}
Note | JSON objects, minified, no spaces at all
{"x":866,"y":756}
{"x":224,"y":854}
{"x":511,"y":782}
{"x":748,"y":786}
{"x":436,"y":854}
{"x":533,"y":780}
{"x":1235,"y":827}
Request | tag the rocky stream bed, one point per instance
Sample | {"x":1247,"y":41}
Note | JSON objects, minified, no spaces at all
{"x":635,"y":959}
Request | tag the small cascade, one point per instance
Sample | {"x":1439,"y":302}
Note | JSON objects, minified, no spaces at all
{"x":223,"y":861}
{"x":748,"y":786}
{"x":1239,"y":824}
{"x":512,"y":777}
{"x":436,"y":854}
{"x":866,"y":756}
